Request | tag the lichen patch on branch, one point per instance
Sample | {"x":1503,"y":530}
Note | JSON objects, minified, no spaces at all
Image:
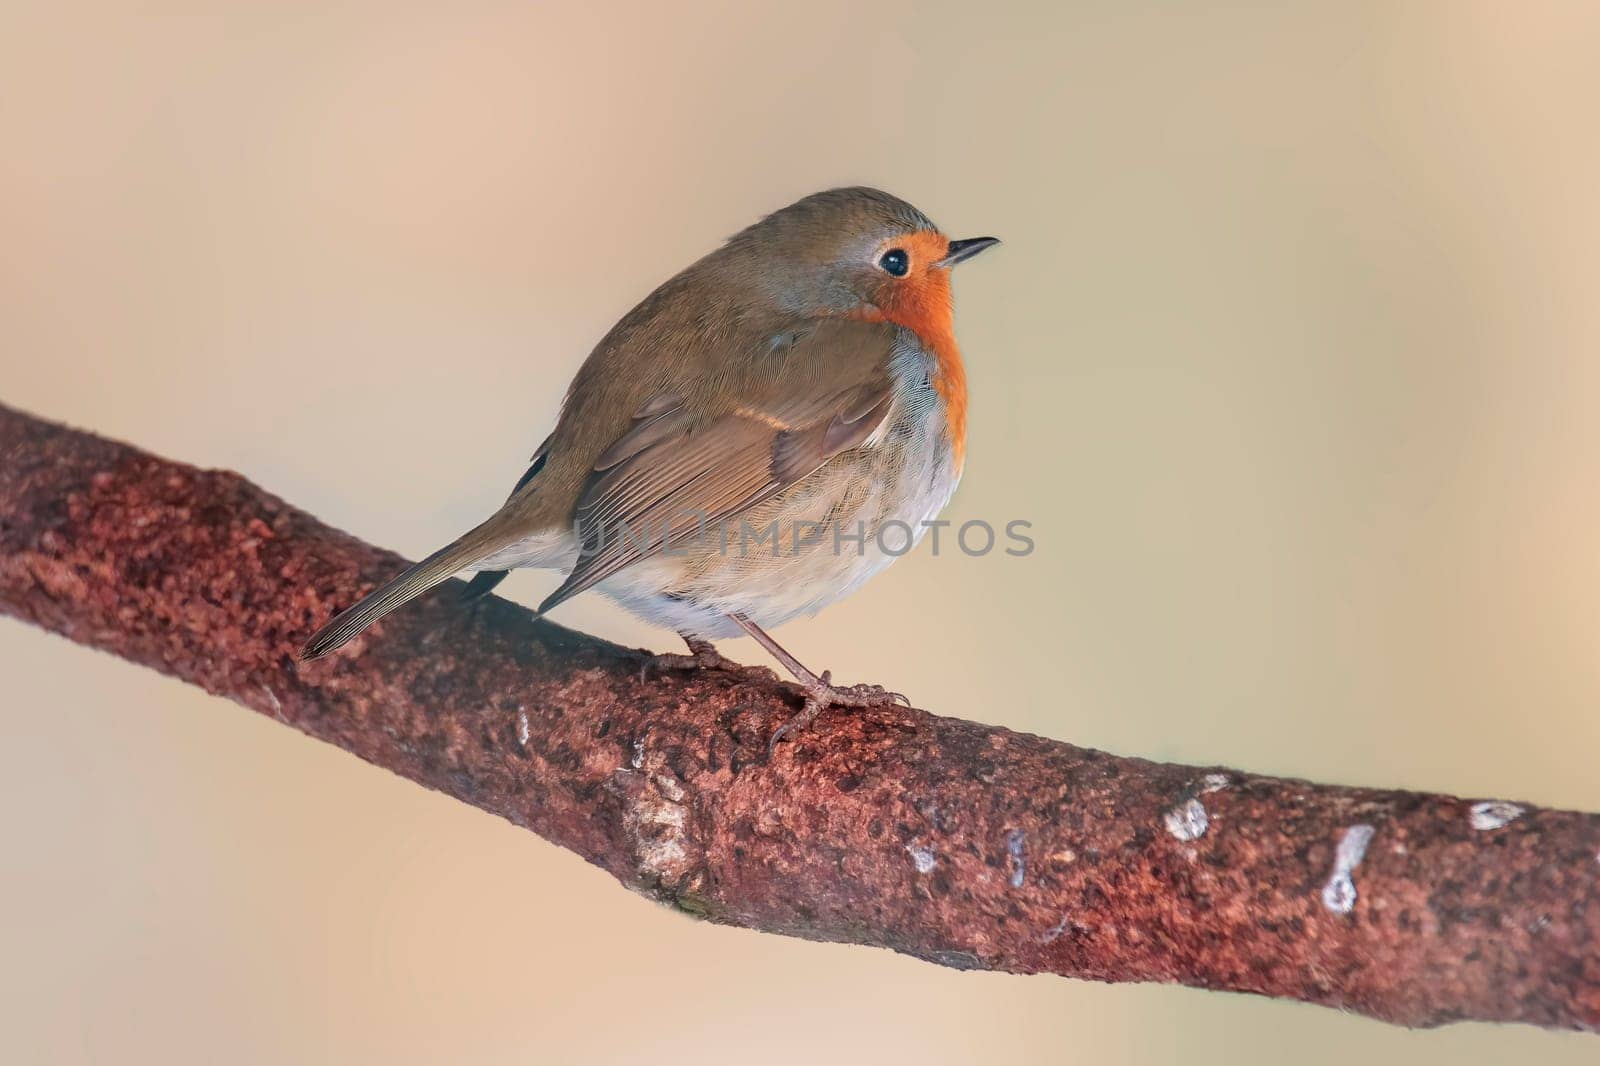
{"x":1339,"y":894}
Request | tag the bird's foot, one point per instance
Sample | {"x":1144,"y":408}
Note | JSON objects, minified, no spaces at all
{"x":822,"y":694}
{"x":702,"y":655}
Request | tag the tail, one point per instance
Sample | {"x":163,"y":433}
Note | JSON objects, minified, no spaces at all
{"x":413,"y":582}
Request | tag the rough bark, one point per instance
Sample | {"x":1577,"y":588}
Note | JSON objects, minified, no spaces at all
{"x":962,"y":844}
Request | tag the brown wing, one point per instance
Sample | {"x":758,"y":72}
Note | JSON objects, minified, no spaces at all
{"x":672,"y":475}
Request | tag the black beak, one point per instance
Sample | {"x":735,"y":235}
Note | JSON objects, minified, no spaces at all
{"x":961,"y":251}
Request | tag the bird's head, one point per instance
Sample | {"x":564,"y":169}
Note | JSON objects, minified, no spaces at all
{"x":855,"y":252}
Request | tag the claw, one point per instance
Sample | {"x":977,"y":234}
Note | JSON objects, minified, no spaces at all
{"x":789,"y":725}
{"x":824,"y":694}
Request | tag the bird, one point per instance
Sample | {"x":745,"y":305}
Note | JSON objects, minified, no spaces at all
{"x":765,"y":431}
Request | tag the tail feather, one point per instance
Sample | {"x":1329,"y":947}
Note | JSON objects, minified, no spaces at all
{"x":407,"y":586}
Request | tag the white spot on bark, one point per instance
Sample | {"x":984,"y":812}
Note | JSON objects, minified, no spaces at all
{"x":1188,"y":820}
{"x":658,"y":828}
{"x":657,"y":818}
{"x":1214,"y":783}
{"x":1019,"y":866}
{"x":1339,"y":894}
{"x":921,"y":857}
{"x":1493,"y":814}
{"x":1053,"y":934}
{"x":524,"y":729}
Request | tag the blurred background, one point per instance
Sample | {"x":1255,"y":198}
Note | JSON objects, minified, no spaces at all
{"x":1290,"y":357}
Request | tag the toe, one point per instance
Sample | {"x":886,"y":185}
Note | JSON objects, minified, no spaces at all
{"x":822,"y":695}
{"x":864,"y":696}
{"x":794,"y":724}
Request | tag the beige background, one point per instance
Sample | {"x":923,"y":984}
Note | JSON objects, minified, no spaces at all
{"x":1290,"y":355}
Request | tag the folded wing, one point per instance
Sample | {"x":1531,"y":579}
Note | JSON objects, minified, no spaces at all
{"x":675,"y":473}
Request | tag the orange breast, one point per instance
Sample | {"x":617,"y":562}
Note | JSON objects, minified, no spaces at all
{"x":922,"y":303}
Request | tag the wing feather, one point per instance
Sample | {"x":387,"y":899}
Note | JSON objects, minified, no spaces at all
{"x":669,"y":477}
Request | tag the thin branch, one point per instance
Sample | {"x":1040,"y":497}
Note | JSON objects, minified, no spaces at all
{"x":966,"y":845}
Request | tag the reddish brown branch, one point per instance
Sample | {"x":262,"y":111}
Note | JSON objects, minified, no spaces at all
{"x":963,"y":844}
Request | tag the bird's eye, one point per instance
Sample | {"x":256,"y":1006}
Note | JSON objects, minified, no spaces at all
{"x":895,"y":262}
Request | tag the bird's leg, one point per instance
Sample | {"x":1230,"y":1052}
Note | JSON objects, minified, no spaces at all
{"x":703,"y":655}
{"x":821,"y":693}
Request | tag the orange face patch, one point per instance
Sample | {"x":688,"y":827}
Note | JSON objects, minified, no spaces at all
{"x":921,"y":302}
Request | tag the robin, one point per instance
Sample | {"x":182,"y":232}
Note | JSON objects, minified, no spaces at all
{"x":762,"y":434}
